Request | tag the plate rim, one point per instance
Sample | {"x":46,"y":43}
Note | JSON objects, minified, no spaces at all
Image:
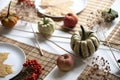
{"x":47,"y":15}
{"x":23,"y":53}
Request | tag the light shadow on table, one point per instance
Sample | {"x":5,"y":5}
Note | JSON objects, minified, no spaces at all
{"x":118,"y":73}
{"x":4,"y":30}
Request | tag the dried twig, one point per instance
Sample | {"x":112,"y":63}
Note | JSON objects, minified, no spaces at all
{"x":58,"y":45}
{"x":111,"y":50}
{"x":109,"y":42}
{"x":40,"y":51}
{"x":39,"y":33}
{"x":63,"y":36}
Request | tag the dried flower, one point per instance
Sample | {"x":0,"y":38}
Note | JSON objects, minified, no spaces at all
{"x":98,"y":70}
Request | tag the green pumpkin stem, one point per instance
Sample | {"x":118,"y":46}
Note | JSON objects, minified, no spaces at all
{"x":109,"y":10}
{"x":8,"y":12}
{"x":83,"y":33}
{"x":45,"y":21}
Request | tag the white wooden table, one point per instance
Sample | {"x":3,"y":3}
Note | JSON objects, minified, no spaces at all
{"x":55,"y":74}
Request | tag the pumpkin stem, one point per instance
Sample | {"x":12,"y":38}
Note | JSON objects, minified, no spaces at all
{"x":83,"y":33}
{"x":8,"y":12}
{"x":45,"y":21}
{"x":109,"y":10}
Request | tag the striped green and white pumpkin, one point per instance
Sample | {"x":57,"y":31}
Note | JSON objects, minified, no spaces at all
{"x":84,"y":43}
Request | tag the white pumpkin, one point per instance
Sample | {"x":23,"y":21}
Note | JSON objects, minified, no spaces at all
{"x":46,"y":26}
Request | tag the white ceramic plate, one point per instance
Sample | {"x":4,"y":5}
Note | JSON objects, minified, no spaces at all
{"x":16,"y":58}
{"x":77,"y":7}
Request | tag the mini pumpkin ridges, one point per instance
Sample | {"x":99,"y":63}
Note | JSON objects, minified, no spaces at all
{"x":9,"y":19}
{"x":84,"y":46}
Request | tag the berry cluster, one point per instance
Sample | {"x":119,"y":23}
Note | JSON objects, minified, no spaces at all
{"x":26,"y":2}
{"x":36,"y":67}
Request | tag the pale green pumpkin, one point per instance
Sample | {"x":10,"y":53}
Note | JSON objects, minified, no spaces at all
{"x":46,"y":26}
{"x":84,"y":43}
{"x":109,"y":14}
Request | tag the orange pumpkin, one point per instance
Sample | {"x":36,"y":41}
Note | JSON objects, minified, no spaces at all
{"x":9,"y":19}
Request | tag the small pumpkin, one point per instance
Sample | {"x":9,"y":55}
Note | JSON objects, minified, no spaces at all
{"x":84,"y":43}
{"x":109,"y":14}
{"x":9,"y":19}
{"x":46,"y":26}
